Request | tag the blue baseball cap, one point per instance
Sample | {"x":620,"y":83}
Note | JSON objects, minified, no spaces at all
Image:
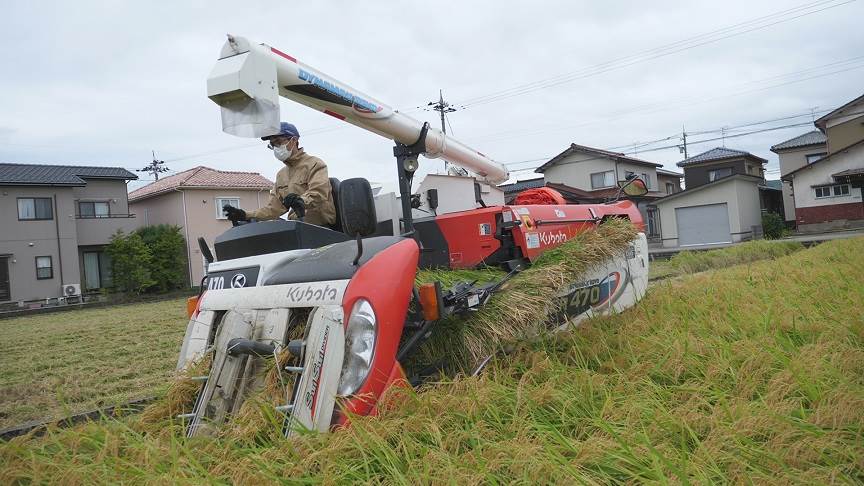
{"x":285,"y":130}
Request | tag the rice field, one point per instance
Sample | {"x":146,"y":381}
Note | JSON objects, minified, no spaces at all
{"x":747,"y":374}
{"x":54,"y":365}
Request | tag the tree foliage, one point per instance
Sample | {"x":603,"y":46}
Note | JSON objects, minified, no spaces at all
{"x":130,"y":260}
{"x":168,"y":247}
{"x":150,"y":259}
{"x":773,"y":226}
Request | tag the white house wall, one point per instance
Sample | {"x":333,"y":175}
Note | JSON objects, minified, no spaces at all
{"x":805,"y":194}
{"x":576,"y":169}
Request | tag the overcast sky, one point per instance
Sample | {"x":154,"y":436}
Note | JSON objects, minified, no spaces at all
{"x":104,"y":83}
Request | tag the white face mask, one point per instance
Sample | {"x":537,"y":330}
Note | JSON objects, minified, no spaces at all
{"x":282,"y":152}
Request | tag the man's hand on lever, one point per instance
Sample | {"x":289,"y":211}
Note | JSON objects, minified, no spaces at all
{"x":295,"y":202}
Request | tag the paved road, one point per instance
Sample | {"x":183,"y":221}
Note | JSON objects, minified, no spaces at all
{"x":803,"y":238}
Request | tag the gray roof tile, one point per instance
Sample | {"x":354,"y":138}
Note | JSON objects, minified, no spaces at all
{"x":63,"y":175}
{"x":810,"y":138}
{"x":523,"y":185}
{"x":717,"y":153}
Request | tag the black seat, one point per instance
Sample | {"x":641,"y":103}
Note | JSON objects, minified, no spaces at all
{"x":334,"y":193}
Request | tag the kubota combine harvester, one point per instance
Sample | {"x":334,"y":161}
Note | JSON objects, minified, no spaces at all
{"x":347,"y":294}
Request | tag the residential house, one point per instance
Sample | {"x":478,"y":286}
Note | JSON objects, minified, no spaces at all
{"x":828,"y":191}
{"x":56,"y":221}
{"x":794,"y":154}
{"x":721,"y":203}
{"x":193,"y":199}
{"x":590,"y":175}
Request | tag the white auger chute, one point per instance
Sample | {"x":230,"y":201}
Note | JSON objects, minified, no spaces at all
{"x":248,"y":79}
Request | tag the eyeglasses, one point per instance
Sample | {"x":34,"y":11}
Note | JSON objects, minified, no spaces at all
{"x":283,"y":141}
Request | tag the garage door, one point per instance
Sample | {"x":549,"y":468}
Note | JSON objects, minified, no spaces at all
{"x":703,"y":225}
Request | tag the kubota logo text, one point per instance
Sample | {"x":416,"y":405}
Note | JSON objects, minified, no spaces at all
{"x":308,"y":294}
{"x":552,"y":238}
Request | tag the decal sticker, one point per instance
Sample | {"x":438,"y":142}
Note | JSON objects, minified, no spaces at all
{"x":317,"y":368}
{"x":532,"y":240}
{"x":593,"y":293}
{"x":560,"y":213}
{"x":523,"y":211}
{"x":456,"y":258}
{"x":360,"y":104}
{"x":485,"y":229}
{"x":507,"y":216}
{"x":473,"y":300}
{"x":238,"y":281}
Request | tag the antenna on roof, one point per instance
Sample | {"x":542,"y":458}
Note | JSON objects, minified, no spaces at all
{"x":155,"y":167}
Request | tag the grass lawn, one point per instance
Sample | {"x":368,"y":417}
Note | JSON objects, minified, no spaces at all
{"x":66,"y":362}
{"x":747,"y":374}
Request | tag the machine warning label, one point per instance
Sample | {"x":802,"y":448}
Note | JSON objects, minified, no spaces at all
{"x":559,"y":213}
{"x":523,"y":211}
{"x":485,"y":229}
{"x":532,"y":240}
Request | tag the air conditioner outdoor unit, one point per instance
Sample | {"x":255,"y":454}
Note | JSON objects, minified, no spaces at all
{"x":70,"y":290}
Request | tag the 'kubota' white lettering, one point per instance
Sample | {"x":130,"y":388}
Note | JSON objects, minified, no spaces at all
{"x":552,"y":238}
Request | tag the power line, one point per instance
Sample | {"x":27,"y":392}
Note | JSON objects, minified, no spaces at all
{"x":656,"y":107}
{"x":662,"y":51}
{"x":656,"y":149}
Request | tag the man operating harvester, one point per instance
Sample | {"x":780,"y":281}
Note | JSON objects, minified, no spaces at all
{"x":302,"y":186}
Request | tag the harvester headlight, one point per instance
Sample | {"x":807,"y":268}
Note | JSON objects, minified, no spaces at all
{"x":359,"y":347}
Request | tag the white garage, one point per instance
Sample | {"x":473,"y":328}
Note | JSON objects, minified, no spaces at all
{"x":701,"y":225}
{"x":723,"y":211}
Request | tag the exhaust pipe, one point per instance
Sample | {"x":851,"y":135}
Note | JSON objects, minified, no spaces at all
{"x":248,"y":79}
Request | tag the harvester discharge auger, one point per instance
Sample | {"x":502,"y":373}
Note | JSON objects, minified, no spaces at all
{"x":338,"y":309}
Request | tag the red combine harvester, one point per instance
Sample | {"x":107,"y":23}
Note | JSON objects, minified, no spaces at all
{"x":348,"y":293}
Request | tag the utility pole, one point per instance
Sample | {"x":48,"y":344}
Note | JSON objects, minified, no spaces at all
{"x":443,"y":108}
{"x":684,"y":136}
{"x":155,"y":167}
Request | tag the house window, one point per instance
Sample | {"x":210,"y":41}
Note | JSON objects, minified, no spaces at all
{"x":221,"y":202}
{"x":93,"y":209}
{"x":670,"y":188}
{"x":602,"y":179}
{"x":841,"y":190}
{"x":814,"y":157}
{"x":832,"y":191}
{"x":35,"y":208}
{"x":716,"y":174}
{"x":44,"y":268}
{"x":647,"y":180}
{"x":97,"y":270}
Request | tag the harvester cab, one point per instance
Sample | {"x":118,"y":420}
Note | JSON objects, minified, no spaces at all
{"x":338,"y":311}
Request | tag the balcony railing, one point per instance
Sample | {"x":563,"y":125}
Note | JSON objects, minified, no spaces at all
{"x":104,"y":216}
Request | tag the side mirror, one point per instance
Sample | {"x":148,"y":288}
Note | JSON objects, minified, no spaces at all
{"x":633,"y":187}
{"x":357,"y":207}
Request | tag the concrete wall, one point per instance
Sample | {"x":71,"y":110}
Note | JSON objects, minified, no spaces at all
{"x":23,"y":241}
{"x":843,"y":131}
{"x":820,"y":174}
{"x":576,"y":169}
{"x":697,"y":175}
{"x":741,"y":197}
{"x":662,"y":179}
{"x":455,"y":194}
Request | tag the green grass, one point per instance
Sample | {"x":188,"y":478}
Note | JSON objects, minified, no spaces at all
{"x":687,"y":262}
{"x":749,"y":374}
{"x":62,"y":363}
